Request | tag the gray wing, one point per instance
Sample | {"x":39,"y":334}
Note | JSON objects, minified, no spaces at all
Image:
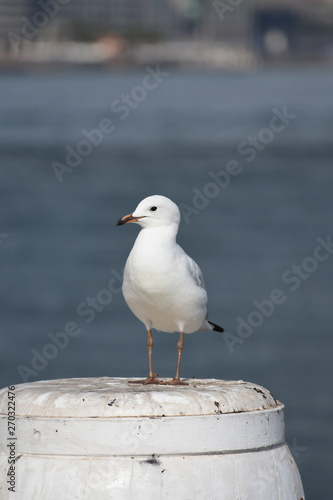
{"x":198,"y":277}
{"x":196,"y":273}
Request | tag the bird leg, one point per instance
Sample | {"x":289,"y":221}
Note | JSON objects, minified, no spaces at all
{"x":152,"y":377}
{"x":176,"y":380}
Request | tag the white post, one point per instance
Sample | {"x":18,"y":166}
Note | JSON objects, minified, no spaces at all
{"x":94,"y":438}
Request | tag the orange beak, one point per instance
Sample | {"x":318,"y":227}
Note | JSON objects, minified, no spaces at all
{"x":128,"y":218}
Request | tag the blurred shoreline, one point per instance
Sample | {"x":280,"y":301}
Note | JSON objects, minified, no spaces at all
{"x":114,"y":53}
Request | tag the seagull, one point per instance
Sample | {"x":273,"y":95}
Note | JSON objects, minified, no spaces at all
{"x":162,"y":285}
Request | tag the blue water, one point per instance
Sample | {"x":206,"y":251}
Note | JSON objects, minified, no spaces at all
{"x":59,"y":246}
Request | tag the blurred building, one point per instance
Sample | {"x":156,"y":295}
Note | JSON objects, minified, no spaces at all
{"x":271,"y":28}
{"x":300,"y":27}
{"x":11,"y":12}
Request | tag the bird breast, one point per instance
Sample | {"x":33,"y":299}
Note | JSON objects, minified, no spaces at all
{"x":159,"y":289}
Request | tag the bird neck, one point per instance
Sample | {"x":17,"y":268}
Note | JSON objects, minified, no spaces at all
{"x":162,"y":234}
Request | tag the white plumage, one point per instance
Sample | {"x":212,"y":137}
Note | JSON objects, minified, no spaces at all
{"x":162,"y":285}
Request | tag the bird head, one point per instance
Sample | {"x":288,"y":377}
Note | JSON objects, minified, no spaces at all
{"x":154,"y":211}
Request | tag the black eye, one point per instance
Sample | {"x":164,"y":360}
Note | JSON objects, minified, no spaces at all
{"x":153,"y":209}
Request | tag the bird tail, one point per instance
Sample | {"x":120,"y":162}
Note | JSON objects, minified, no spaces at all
{"x":216,"y":328}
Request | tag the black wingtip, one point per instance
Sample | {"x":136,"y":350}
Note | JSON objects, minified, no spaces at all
{"x":216,"y":328}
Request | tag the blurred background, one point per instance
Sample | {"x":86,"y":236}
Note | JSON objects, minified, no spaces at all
{"x":188,"y":33}
{"x":223,"y":106}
